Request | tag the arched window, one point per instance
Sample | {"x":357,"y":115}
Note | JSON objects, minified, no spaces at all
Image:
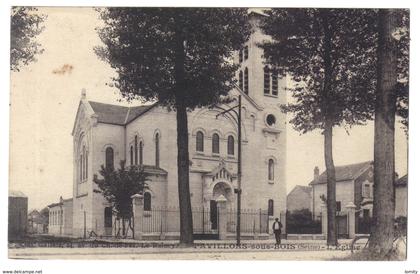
{"x":131,"y":155}
{"x":274,"y":84}
{"x":86,"y":164}
{"x":157,"y":152}
{"x":246,"y":53}
{"x":271,"y":170}
{"x":215,"y":143}
{"x":141,"y":153}
{"x":136,"y":153}
{"x":147,"y":206}
{"x":246,"y":81}
{"x":199,"y":141}
{"x":253,"y":122}
{"x":109,"y":158}
{"x":81,"y":167}
{"x":108,"y":217}
{"x":270,"y":207}
{"x":231,"y":145}
{"x":240,"y":56}
{"x":241,"y":80}
{"x":266,"y":80}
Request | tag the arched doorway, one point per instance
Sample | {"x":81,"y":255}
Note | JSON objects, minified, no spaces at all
{"x":220,"y":189}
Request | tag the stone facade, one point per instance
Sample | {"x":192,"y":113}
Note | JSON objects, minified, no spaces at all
{"x":134,"y":133}
{"x":61,"y":217}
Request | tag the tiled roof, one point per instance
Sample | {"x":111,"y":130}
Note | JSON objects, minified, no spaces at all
{"x":117,"y":115}
{"x":14,"y":193}
{"x":306,"y":189}
{"x":402,"y":181}
{"x":154,"y":170}
{"x":343,"y":173}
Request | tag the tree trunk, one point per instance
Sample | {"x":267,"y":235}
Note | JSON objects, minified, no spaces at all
{"x":381,"y":238}
{"x":186,"y":223}
{"x":183,"y":161}
{"x":331,"y":201}
{"x":328,"y":128}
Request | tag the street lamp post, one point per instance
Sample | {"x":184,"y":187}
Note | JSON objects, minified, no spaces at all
{"x":238,"y":190}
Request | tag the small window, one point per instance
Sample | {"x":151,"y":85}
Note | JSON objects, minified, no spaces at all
{"x":246,"y":53}
{"x":109,"y":158}
{"x":136,"y":154}
{"x":157,"y":150}
{"x":141,"y":153}
{"x":270,"y":207}
{"x":199,"y":141}
{"x":338,"y":206}
{"x":231,"y":145}
{"x":241,"y":80}
{"x":131,"y":155}
{"x":240,"y":56}
{"x":366,"y":191}
{"x":274,"y":84}
{"x":246,"y":81}
{"x":271,"y":120}
{"x":215,"y":143}
{"x":147,"y":206}
{"x":271,"y":170}
{"x":86,"y":164}
{"x":81,"y":167}
{"x":266,"y":80}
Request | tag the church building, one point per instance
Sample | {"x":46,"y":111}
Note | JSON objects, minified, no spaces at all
{"x":105,"y":134}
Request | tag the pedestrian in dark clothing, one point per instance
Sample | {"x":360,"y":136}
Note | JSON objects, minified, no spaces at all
{"x":277,"y":226}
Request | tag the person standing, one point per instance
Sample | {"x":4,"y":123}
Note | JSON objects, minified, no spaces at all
{"x":277,"y":226}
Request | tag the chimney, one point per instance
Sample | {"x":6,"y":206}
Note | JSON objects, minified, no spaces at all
{"x":83,"y":93}
{"x":316,"y":173}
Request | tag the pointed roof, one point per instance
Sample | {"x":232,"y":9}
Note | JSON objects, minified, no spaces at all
{"x":344,"y":173}
{"x":305,"y":189}
{"x":403,"y":181}
{"x":18,"y":194}
{"x":117,"y":115}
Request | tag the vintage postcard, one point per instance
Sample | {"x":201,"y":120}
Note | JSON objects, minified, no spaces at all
{"x":208,"y":133}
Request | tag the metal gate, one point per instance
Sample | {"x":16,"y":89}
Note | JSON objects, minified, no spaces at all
{"x":342,"y":229}
{"x":205,"y":221}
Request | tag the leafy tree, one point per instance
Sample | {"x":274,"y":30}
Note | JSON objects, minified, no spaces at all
{"x":179,"y":57}
{"x":328,"y":55}
{"x":382,"y":235}
{"x":118,"y":186}
{"x":402,"y":35}
{"x":25,"y":27}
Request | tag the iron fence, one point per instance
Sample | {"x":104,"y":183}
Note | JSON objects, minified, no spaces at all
{"x":205,"y":220}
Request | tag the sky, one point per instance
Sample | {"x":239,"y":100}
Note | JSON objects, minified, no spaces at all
{"x":45,"y":96}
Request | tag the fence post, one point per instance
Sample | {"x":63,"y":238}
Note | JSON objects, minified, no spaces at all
{"x":222,"y":222}
{"x":351,"y":220}
{"x":137,"y":200}
{"x":324,"y":219}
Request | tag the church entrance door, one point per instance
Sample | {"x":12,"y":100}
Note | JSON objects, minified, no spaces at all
{"x":213,"y":214}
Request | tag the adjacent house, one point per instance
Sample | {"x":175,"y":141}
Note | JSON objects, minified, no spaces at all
{"x":61,"y":217}
{"x":300,"y":197}
{"x":37,"y":223}
{"x":354,"y":184}
{"x":401,"y":194}
{"x":18,"y":214}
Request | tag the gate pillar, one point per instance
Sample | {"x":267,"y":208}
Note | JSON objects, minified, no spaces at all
{"x":137,"y":200}
{"x":324,"y":219}
{"x":351,"y":220}
{"x":222,"y":218}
